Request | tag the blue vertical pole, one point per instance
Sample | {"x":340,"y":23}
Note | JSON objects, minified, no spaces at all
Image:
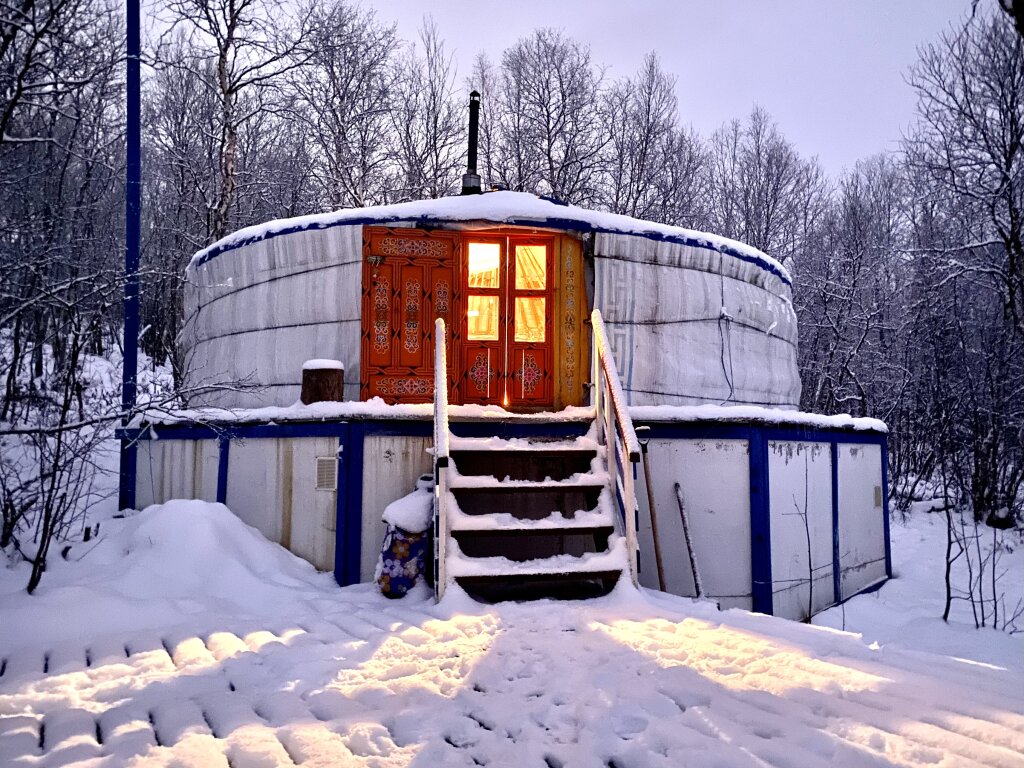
{"x":885,"y":506}
{"x":760,"y":524}
{"x":132,"y":206}
{"x":837,"y":566}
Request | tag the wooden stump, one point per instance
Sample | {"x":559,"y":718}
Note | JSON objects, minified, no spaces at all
{"x":322,"y":381}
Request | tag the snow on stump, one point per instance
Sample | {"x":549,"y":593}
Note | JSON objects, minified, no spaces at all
{"x":322,"y":381}
{"x":403,"y":555}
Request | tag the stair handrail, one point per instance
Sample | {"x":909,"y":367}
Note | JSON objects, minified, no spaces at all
{"x":441,"y":456}
{"x":616,"y":432}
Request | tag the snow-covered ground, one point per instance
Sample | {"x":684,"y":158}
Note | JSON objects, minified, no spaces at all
{"x":182,"y":637}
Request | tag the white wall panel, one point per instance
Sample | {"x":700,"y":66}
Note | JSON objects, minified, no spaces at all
{"x":800,"y":495}
{"x":313,"y":513}
{"x":861,"y":517}
{"x":176,"y":469}
{"x":259,"y":472}
{"x":714,"y":476}
{"x":391,"y":466}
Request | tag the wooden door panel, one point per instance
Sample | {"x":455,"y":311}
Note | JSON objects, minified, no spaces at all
{"x":407,"y":283}
{"x":531,"y":380}
{"x":481,"y":379}
{"x":381,"y":314}
{"x":411,"y":323}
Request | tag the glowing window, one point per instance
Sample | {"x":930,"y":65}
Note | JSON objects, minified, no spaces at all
{"x":531,"y":267}
{"x":483,"y":264}
{"x":530,"y":318}
{"x":482,"y":314}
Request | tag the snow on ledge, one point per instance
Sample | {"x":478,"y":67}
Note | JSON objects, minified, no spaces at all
{"x":753,"y":413}
{"x":514,"y":208}
{"x":374,"y":408}
{"x":378,"y":409}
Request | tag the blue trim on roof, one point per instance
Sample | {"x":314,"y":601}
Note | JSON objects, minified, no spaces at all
{"x":565,"y":224}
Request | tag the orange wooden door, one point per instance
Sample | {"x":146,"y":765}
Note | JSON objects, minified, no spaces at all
{"x":506,"y":331}
{"x":529,"y":329}
{"x":407,"y":282}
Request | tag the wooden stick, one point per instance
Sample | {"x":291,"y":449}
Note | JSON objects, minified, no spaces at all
{"x":697,"y":586}
{"x":654,"y":517}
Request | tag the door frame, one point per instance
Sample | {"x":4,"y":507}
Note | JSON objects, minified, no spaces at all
{"x":566,"y":313}
{"x":512,"y":370}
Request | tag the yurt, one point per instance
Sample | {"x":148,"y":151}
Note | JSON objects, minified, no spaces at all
{"x":595,"y":400}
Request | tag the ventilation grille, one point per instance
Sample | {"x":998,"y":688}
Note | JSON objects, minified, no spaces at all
{"x":326,"y":473}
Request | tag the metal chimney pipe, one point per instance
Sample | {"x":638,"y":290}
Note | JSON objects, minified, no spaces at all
{"x":471,"y":184}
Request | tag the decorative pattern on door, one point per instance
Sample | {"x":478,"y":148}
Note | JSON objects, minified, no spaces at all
{"x":513,"y":305}
{"x":407,"y":279}
{"x":507,"y":337}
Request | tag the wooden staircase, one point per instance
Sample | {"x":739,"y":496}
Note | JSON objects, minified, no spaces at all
{"x":531,"y":518}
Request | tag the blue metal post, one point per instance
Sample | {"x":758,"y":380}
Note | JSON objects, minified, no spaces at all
{"x":348,"y":525}
{"x":760,"y":524}
{"x":837,"y":584}
{"x":885,"y":505}
{"x":223,"y":454}
{"x":352,"y":527}
{"x":132,"y":206}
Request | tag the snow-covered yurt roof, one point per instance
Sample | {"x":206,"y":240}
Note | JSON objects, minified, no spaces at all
{"x":693,"y":317}
{"x":507,"y":208}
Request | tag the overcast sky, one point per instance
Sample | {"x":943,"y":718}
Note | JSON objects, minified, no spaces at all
{"x":831,"y":72}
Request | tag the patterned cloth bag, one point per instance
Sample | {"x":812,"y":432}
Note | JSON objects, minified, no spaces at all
{"x":401,"y":561}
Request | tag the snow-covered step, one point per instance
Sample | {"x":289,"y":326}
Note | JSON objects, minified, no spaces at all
{"x":503,"y":521}
{"x":613,"y":558}
{"x":559,"y":576}
{"x":531,"y":518}
{"x":497,"y":444}
{"x":491,"y":483}
{"x":522,"y":544}
{"x":525,"y":500}
{"x":533,"y":464}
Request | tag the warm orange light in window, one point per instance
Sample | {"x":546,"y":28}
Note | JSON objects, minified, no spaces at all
{"x":482,"y":316}
{"x":531,"y":267}
{"x":530,"y":317}
{"x":482,"y":265}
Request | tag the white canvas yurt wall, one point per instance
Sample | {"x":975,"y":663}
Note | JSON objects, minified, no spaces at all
{"x":693,"y":318}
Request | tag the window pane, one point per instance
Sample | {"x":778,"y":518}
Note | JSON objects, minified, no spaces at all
{"x":484,"y":260}
{"x":530,"y":318}
{"x":531,"y":267}
{"x":483,"y":318}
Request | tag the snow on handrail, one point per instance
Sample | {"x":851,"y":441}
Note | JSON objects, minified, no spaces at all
{"x":612,"y":421}
{"x":440,"y":390}
{"x":441,"y":457}
{"x":603,"y":352}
